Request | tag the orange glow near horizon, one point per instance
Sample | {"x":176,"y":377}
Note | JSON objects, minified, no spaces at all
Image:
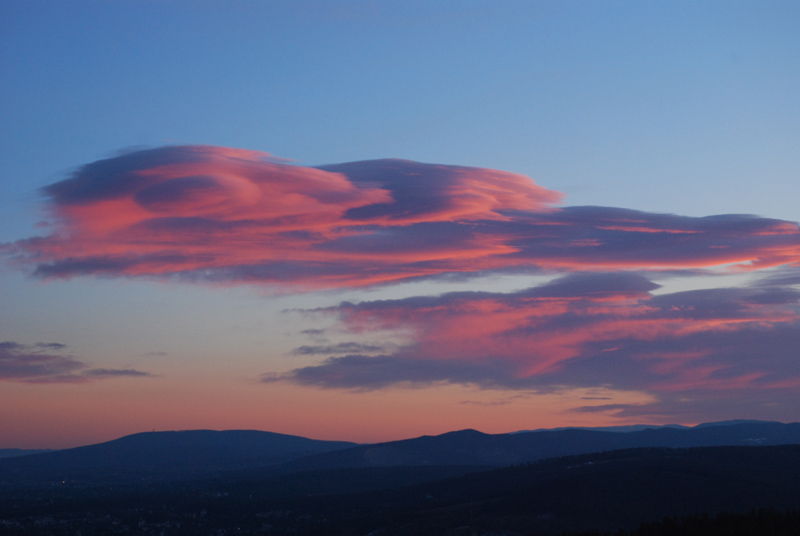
{"x":389,"y":415}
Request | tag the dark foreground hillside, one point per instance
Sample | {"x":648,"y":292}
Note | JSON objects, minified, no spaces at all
{"x":754,"y":523}
{"x":602,"y":492}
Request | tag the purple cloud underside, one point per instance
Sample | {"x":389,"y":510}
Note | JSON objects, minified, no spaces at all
{"x":686,"y":348}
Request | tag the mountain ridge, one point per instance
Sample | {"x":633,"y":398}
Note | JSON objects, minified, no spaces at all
{"x":470,"y":447}
{"x":181,"y":454}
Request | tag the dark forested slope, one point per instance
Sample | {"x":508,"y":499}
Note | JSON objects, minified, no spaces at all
{"x":604,"y":491}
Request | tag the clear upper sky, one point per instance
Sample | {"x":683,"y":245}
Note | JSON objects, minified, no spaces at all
{"x":176,"y":283}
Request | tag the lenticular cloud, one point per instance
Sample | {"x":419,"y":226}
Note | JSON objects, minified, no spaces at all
{"x":221,"y":215}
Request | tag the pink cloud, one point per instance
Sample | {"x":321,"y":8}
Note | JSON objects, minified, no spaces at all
{"x":221,"y":215}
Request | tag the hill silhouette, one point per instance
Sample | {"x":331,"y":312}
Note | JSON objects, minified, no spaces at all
{"x":156,"y":456}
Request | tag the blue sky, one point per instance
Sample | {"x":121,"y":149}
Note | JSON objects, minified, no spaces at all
{"x":666,"y":107}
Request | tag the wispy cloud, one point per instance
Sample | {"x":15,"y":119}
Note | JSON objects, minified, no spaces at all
{"x":110,"y":373}
{"x":214,"y":214}
{"x":47,"y":363}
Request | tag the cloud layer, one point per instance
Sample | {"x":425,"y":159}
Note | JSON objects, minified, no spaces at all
{"x":213,"y":214}
{"x":218,"y":215}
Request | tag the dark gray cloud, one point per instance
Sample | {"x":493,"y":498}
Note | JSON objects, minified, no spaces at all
{"x":361,"y":372}
{"x":341,"y":348}
{"x":313,"y":332}
{"x":594,"y":284}
{"x":20,"y":362}
{"x":47,"y":363}
{"x":108,"y":373}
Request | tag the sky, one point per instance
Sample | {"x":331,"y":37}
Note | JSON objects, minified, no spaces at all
{"x":370,"y":221}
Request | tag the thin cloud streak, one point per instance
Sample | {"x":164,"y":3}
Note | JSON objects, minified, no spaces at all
{"x":218,"y":215}
{"x":340,"y":348}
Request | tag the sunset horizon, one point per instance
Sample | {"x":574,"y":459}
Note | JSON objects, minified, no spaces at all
{"x":374,"y":221}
